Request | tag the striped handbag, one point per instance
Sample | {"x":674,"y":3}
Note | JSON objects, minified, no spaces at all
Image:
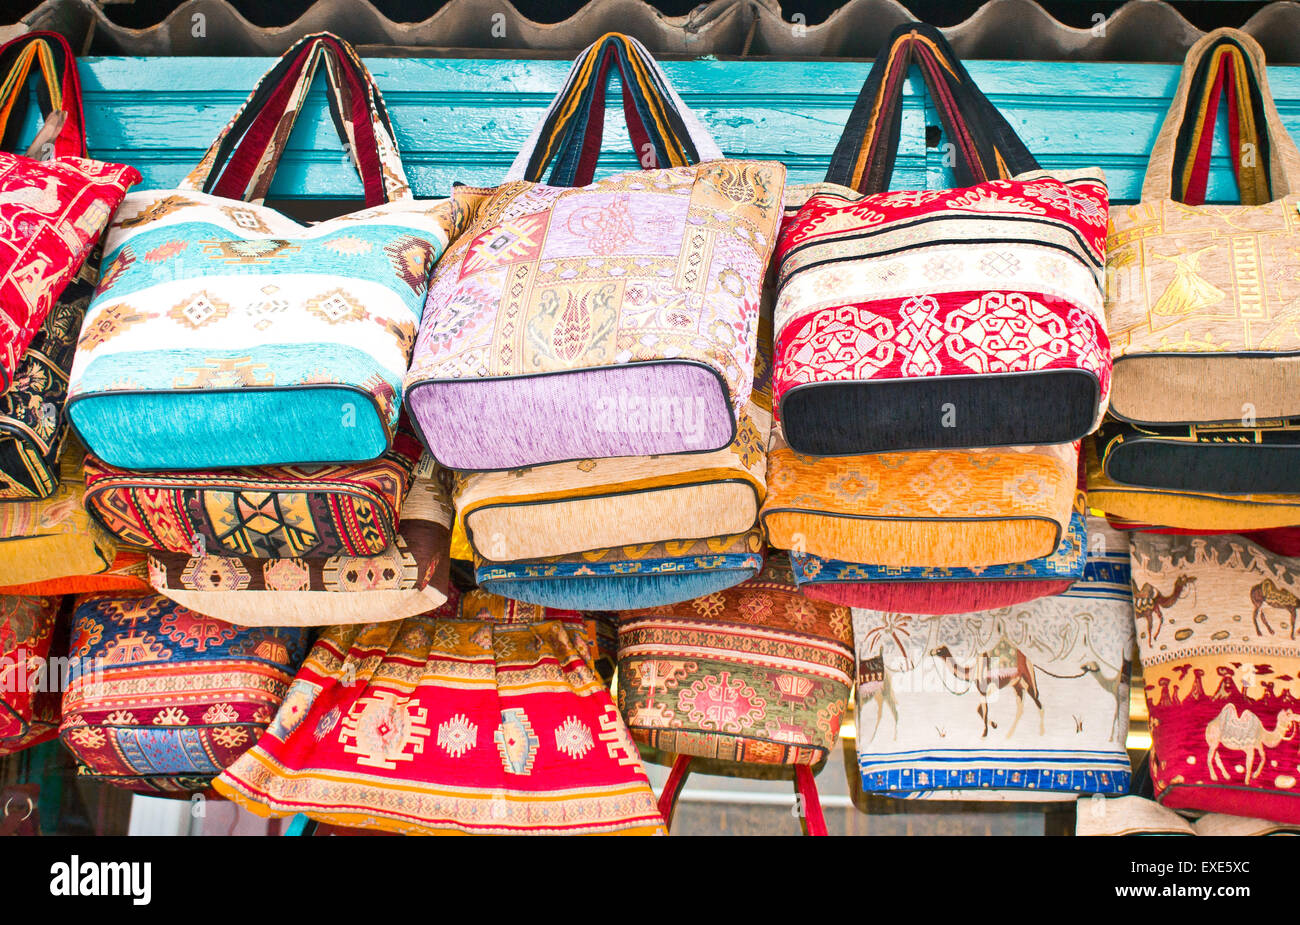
{"x":226,"y":334}
{"x":950,"y":318}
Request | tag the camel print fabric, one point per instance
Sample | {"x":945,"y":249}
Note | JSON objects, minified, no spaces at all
{"x":1216,"y":626}
{"x":1023,"y":703}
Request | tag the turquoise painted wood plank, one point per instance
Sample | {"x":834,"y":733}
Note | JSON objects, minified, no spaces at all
{"x":462,"y":120}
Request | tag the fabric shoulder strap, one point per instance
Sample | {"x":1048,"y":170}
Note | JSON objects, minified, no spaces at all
{"x":986,"y":145}
{"x":58,"y":91}
{"x":1263,"y":155}
{"x":805,"y":786}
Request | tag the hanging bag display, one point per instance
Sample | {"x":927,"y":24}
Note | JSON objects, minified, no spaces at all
{"x":52,"y":209}
{"x":160,"y":699}
{"x":487,"y":721}
{"x":617,"y":318}
{"x":1203,"y":301}
{"x":1022,"y":703}
{"x":1216,"y":626}
{"x":224,"y":333}
{"x":929,"y":319}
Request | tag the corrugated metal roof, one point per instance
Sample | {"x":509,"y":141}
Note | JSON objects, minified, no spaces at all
{"x":1141,"y":30}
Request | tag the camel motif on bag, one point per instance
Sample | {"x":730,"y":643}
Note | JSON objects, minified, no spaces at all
{"x":1267,"y":592}
{"x":1244,"y":733}
{"x":875,"y":686}
{"x":1001,"y":667}
{"x":1149,"y":603}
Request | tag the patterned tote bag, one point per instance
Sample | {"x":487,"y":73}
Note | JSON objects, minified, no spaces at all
{"x":1204,"y":300}
{"x":160,"y":699}
{"x":949,"y":318}
{"x":260,"y":512}
{"x":1216,"y":628}
{"x":946,"y":590}
{"x":931,"y":508}
{"x":1022,"y":703}
{"x":616,"y":318}
{"x":225,"y":334}
{"x":489,"y":721}
{"x":29,"y":692}
{"x":752,"y":675}
{"x":1183,"y":508}
{"x":52,"y":209}
{"x":410,"y":576}
{"x":628,"y":577}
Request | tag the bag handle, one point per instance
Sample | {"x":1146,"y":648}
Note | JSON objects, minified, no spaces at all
{"x":1180,"y":159}
{"x":242,"y":160}
{"x":804,"y":783}
{"x":59,"y":91}
{"x":986,"y":144}
{"x":577,"y":112}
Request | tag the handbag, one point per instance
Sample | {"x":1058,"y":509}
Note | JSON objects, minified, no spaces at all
{"x":411,"y":576}
{"x":933,"y":319}
{"x":54,"y":538}
{"x":54,"y":208}
{"x":1203,"y":300}
{"x":1022,"y":703}
{"x":755,"y":674}
{"x":932,"y":590}
{"x":262,"y":512}
{"x":484,"y":721}
{"x":606,"y":319}
{"x":1216,"y":628}
{"x":1194,"y":509}
{"x":29,"y":695}
{"x":931,"y":508}
{"x":160,"y":699}
{"x":628,"y":577}
{"x":217,"y":315}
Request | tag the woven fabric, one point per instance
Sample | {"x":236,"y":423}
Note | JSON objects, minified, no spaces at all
{"x":1028,"y":702}
{"x":1238,"y":458}
{"x":1204,"y":301}
{"x":981,"y":304}
{"x":410,"y":577}
{"x":33,"y":427}
{"x":945,"y":590}
{"x":628,"y":577}
{"x":1216,"y":627}
{"x":1200,"y":510}
{"x":265,"y":512}
{"x":562,"y":316}
{"x":482,"y":723}
{"x":127,"y":572}
{"x":943,"y":508}
{"x":216,"y":315}
{"x":593,"y":504}
{"x":54,"y":537}
{"x":753,"y":674}
{"x":29,"y":698}
{"x":161,"y":699}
